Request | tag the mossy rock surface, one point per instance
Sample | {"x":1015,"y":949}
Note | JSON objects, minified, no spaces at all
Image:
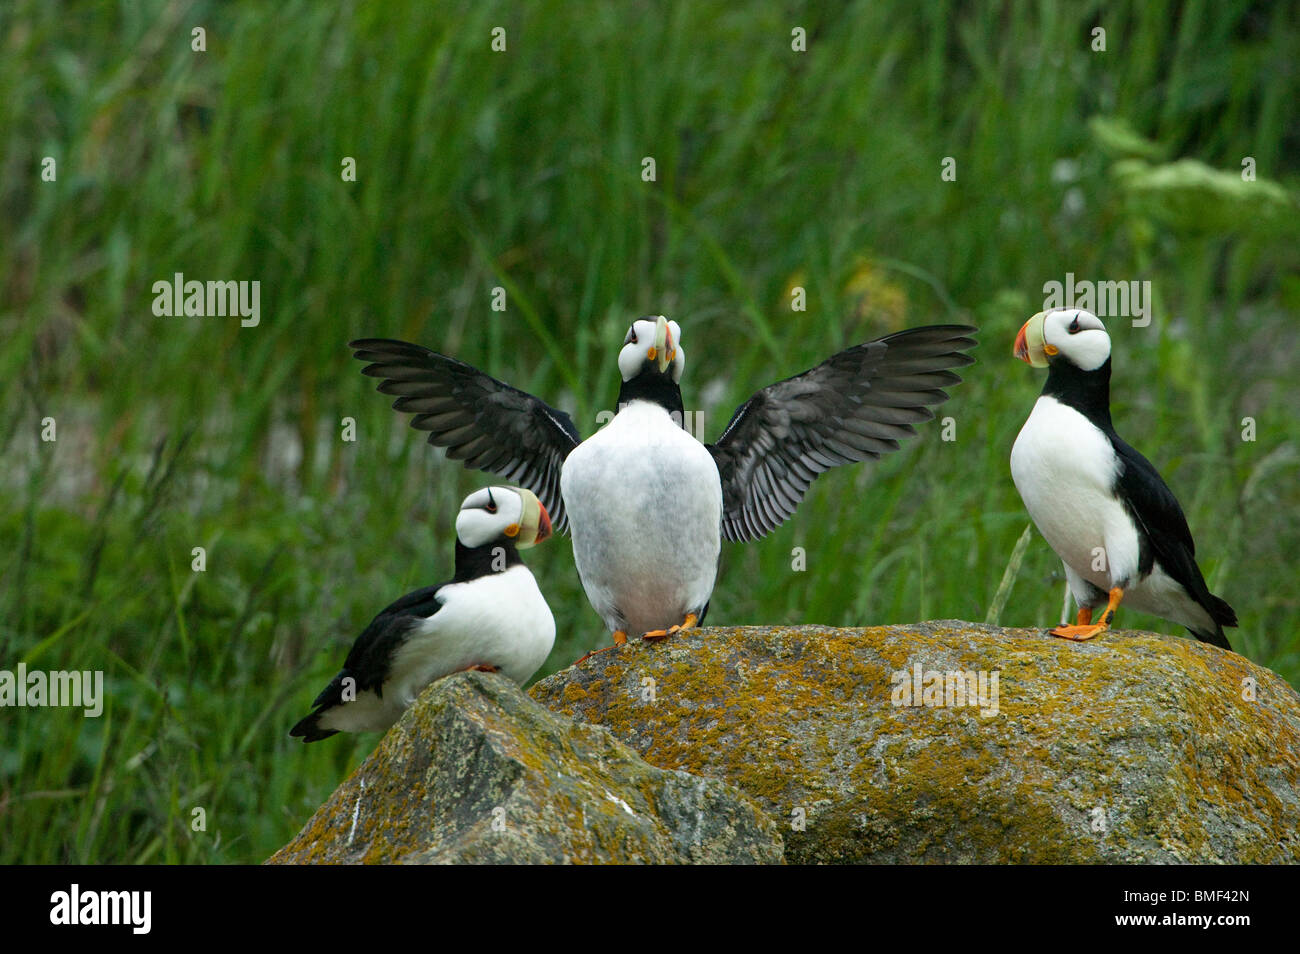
{"x":476,"y":771}
{"x":1131,"y":748}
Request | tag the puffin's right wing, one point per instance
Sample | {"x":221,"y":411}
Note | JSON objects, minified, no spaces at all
{"x":854,"y":406}
{"x":478,"y":419}
{"x":1159,"y":515}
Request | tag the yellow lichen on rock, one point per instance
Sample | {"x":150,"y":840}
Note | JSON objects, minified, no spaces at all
{"x":1131,"y":748}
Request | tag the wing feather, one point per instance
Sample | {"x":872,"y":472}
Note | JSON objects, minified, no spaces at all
{"x":477,"y":419}
{"x":856,"y":405}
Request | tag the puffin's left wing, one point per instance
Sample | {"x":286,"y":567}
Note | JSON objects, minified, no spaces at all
{"x":484,"y":422}
{"x":854,"y":406}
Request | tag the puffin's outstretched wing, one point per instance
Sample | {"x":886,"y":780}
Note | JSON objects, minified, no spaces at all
{"x":1161,"y":522}
{"x":854,"y":406}
{"x":480,"y":420}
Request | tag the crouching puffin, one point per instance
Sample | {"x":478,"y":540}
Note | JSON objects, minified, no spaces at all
{"x":489,"y":617}
{"x":1099,"y":503}
{"x":648,"y":504}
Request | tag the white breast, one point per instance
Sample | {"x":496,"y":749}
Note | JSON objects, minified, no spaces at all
{"x":1065,"y":470}
{"x":644,"y":502}
{"x":499,"y":620}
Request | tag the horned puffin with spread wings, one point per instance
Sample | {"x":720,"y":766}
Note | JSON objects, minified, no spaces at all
{"x":646,"y":502}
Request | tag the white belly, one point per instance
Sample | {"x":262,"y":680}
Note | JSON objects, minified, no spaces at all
{"x":1064,"y":468}
{"x":499,"y":620}
{"x":644,"y":502}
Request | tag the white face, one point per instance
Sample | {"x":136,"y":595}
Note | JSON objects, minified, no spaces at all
{"x":1078,"y":335}
{"x":498,"y":514}
{"x":656,"y":340}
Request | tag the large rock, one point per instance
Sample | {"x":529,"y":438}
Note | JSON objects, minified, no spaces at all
{"x":475,"y":771}
{"x":1133,"y":747}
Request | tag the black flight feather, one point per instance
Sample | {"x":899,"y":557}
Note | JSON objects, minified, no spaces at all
{"x":855,"y":406}
{"x":479,"y":420}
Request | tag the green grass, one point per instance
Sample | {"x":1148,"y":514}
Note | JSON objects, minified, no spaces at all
{"x":522,"y":169}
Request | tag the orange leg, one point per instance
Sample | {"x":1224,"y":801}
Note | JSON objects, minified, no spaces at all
{"x":1084,"y":617}
{"x":482,"y":667}
{"x":688,"y":623}
{"x":620,"y":639}
{"x":1082,"y":630}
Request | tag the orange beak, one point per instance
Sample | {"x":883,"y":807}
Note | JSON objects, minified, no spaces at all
{"x":1030,"y":346}
{"x":1021,"y":350}
{"x":663,"y":343}
{"x":543,"y":525}
{"x":534,"y":522}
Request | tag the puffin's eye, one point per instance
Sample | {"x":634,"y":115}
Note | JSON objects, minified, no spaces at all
{"x":1074,"y":326}
{"x":491,"y":508}
{"x":631,"y":337}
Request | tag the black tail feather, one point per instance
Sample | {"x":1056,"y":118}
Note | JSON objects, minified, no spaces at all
{"x":1223,"y":615}
{"x":1221,"y":612}
{"x":1215,"y":638}
{"x":309,"y":729}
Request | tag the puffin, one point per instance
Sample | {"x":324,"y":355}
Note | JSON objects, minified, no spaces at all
{"x":1101,"y":506}
{"x":647,"y":504}
{"x":489,"y":617}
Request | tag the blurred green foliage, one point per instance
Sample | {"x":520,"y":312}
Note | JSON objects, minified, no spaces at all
{"x":523,"y":169}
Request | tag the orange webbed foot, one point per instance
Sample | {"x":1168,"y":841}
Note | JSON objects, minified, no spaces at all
{"x":1079,"y":633}
{"x":688,"y":623}
{"x":1085,"y":629}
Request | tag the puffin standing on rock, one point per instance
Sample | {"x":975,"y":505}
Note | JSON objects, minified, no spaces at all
{"x":489,"y":617}
{"x":648,"y":503}
{"x":1099,"y":503}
